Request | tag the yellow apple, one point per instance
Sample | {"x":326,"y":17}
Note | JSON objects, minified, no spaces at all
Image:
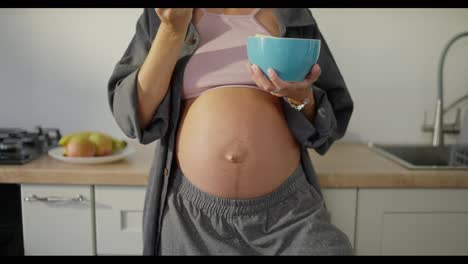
{"x":80,"y":147}
{"x":103,"y":144}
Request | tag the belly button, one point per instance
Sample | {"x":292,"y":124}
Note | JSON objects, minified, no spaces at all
{"x":236,"y":152}
{"x":234,"y":158}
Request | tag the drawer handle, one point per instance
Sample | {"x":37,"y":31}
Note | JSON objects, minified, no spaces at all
{"x":35,"y":198}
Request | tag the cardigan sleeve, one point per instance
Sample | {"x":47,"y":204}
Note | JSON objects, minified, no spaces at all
{"x":122,"y":86}
{"x":333,"y":102}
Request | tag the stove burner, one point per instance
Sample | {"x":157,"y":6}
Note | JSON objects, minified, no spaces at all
{"x":9,"y":145}
{"x":11,"y":133}
{"x":18,"y":146}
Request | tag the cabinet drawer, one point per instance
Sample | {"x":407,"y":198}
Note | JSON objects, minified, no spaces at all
{"x":57,"y":220}
{"x":119,"y":220}
{"x":412,"y":222}
{"x":341,"y":204}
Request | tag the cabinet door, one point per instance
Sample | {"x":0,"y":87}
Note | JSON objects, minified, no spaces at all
{"x":412,"y":222}
{"x":57,"y":220}
{"x":119,"y":216}
{"x":341,"y":204}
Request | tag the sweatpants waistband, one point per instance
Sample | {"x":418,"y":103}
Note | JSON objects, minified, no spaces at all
{"x":227,"y":206}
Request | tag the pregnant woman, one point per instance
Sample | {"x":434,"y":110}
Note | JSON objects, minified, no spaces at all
{"x":231,"y":172}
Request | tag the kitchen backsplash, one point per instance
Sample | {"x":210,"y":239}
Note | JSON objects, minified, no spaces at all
{"x":55,"y":64}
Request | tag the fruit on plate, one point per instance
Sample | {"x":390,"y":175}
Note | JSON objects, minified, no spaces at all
{"x":65,"y":139}
{"x":118,"y":145}
{"x":80,"y":147}
{"x":104,"y":144}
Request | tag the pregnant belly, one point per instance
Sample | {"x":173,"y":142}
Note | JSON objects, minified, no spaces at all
{"x":234,"y":142}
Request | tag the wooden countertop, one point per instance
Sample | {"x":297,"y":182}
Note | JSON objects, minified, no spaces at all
{"x":132,"y":170}
{"x":356,"y":165}
{"x":346,"y":165}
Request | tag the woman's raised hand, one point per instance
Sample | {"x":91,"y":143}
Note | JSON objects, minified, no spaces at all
{"x":293,"y":90}
{"x":176,"y":19}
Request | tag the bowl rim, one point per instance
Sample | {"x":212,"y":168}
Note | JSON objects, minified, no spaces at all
{"x":281,"y":38}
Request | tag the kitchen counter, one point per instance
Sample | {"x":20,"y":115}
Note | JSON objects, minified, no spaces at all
{"x":132,"y":170}
{"x":346,"y":165}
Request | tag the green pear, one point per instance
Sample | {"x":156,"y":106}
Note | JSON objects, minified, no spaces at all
{"x":118,"y":145}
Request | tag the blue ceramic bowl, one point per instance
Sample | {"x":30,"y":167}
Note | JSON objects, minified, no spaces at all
{"x":291,"y":58}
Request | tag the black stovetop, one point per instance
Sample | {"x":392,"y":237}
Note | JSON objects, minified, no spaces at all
{"x":19,"y":146}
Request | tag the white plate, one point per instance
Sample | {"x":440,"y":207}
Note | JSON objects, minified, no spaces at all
{"x":57,"y":153}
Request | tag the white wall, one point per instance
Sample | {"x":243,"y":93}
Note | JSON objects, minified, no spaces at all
{"x":55,"y":64}
{"x":389,"y":58}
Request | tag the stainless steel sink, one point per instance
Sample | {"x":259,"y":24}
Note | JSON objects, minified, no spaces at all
{"x":420,"y":157}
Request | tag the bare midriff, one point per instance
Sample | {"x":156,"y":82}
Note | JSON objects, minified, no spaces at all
{"x":234,"y":142}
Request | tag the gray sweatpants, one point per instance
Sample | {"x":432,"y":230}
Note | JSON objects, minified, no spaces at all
{"x":292,"y":220}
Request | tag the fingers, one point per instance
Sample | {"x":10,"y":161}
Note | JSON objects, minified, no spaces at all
{"x":294,"y":89}
{"x":313,"y":75}
{"x":252,"y":75}
{"x":278,"y":87}
{"x":159,"y":11}
{"x":174,"y":13}
{"x":283,"y":86}
{"x":260,"y":79}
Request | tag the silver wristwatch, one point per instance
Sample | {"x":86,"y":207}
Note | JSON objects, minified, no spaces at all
{"x":300,"y":106}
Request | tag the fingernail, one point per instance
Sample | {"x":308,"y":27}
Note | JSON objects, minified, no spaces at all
{"x":248,"y":67}
{"x":270,"y":72}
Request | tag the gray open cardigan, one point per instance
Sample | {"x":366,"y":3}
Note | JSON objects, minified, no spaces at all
{"x":333,"y":102}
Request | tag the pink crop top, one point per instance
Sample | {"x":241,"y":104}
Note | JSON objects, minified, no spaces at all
{"x":220,"y":59}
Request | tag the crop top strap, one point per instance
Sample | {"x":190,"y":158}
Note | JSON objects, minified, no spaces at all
{"x":253,"y":13}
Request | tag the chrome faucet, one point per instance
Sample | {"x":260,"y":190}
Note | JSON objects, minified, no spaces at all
{"x":439,"y":128}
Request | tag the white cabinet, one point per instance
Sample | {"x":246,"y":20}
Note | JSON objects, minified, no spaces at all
{"x":341,"y":204}
{"x":119,"y":216}
{"x":412,"y":222}
{"x":119,"y":212}
{"x":57,"y":219}
{"x":107,"y":220}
